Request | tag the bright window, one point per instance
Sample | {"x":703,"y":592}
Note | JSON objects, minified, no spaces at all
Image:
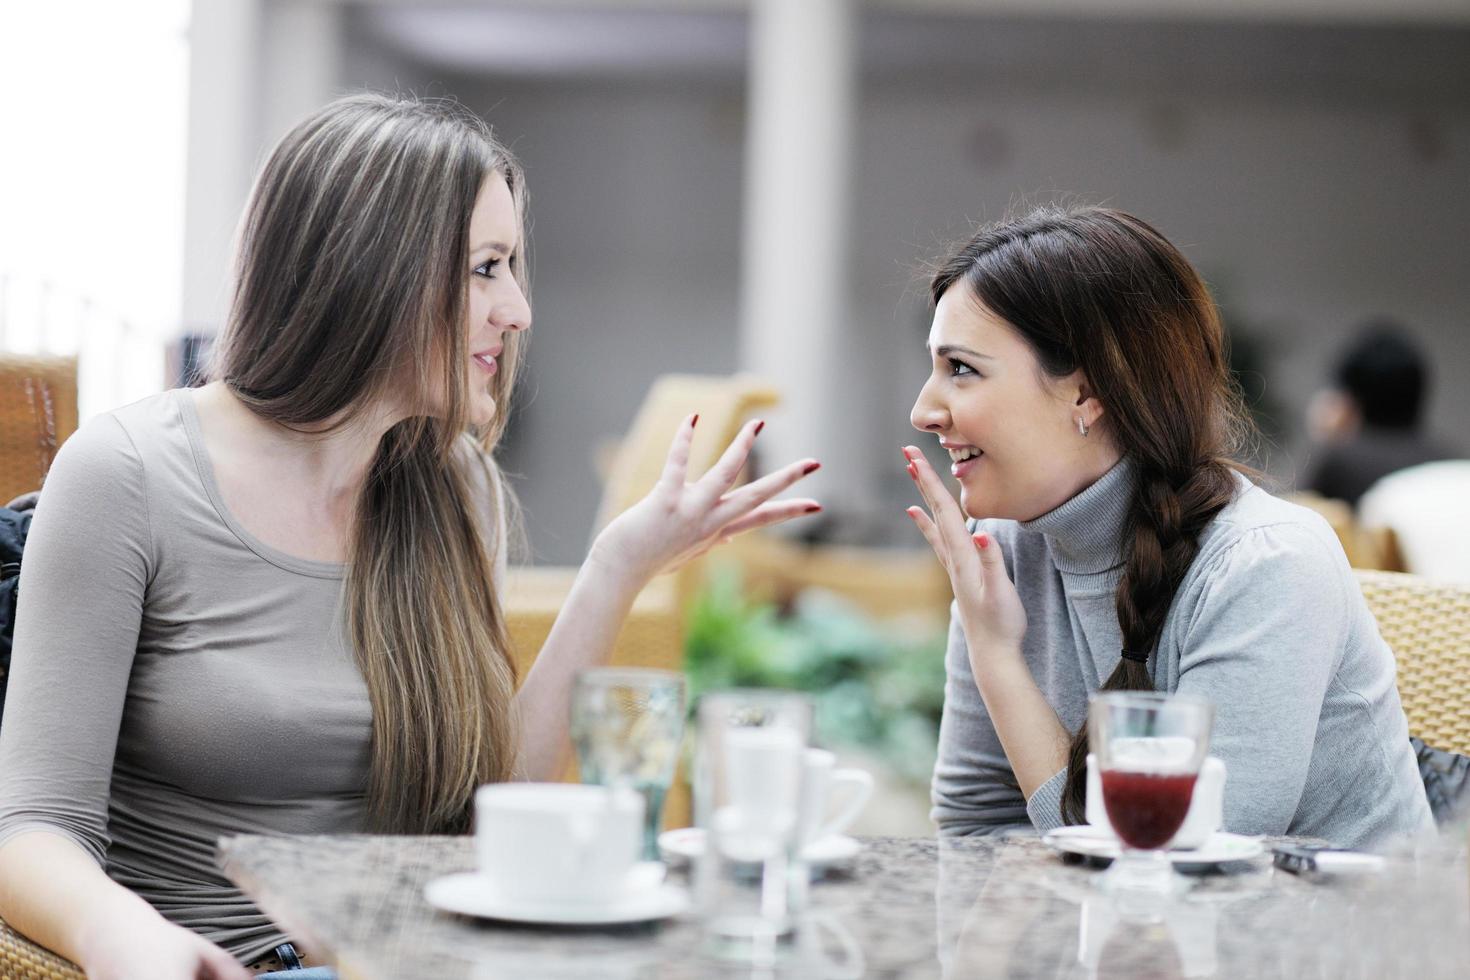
{"x":92,"y":153}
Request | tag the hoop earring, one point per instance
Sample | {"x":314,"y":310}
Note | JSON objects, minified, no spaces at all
{"x":1082,"y":427}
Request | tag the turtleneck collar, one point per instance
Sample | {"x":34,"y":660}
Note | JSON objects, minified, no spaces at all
{"x":1086,"y":532}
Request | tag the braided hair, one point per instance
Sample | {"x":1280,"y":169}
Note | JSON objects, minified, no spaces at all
{"x":1100,"y":291}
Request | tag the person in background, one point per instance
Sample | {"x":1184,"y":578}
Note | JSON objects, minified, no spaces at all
{"x":1105,"y":538}
{"x":1368,"y":422}
{"x":273,"y":604}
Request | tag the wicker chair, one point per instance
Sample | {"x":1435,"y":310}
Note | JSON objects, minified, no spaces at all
{"x":1366,"y":545}
{"x":38,"y":410}
{"x":1427,"y":624}
{"x":21,"y":959}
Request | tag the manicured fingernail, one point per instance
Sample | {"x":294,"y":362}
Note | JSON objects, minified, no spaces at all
{"x":759,"y":426}
{"x":814,"y":508}
{"x":906,"y":455}
{"x":913,"y":471}
{"x":694,"y":421}
{"x":982,"y":539}
{"x":810,"y":468}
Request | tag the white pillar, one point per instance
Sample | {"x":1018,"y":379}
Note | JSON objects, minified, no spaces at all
{"x":256,"y":67}
{"x":224,"y":71}
{"x":794,"y":285}
{"x":301,"y":63}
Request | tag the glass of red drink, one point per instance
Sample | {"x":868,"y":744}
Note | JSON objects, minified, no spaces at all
{"x":1149,"y":749}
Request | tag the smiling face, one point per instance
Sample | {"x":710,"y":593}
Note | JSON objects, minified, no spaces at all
{"x":495,"y":305}
{"x":1011,"y":430}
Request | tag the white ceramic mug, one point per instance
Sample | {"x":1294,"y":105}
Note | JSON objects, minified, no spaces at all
{"x":823,"y":782}
{"x":1206,"y":806}
{"x":557,"y":842}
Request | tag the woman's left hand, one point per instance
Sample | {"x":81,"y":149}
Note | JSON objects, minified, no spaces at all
{"x":679,"y":520}
{"x":990,"y":608}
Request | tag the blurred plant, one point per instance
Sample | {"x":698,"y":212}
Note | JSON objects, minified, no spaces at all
{"x":876,"y":687}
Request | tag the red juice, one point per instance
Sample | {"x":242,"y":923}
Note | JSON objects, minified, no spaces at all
{"x":1145,"y":808}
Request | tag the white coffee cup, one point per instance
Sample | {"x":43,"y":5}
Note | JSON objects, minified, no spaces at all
{"x":763,"y":779}
{"x":1206,"y":806}
{"x":557,"y":842}
{"x":823,"y":782}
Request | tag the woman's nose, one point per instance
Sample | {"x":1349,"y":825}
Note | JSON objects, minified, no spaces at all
{"x":928,"y":415}
{"x":513,"y":314}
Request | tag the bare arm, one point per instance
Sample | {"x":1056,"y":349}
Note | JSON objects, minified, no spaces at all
{"x":53,"y":892}
{"x":676,"y":522}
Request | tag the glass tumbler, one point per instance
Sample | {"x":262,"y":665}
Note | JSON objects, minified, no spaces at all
{"x":627,"y":725}
{"x":1149,"y":748}
{"x":749,"y":883}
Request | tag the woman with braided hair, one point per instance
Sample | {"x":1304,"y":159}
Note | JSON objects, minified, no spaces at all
{"x":1080,"y":386}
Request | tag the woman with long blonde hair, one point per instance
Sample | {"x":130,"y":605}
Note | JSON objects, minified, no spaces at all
{"x":271,"y":604}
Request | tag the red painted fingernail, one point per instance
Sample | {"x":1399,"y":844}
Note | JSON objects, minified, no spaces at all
{"x":759,"y":426}
{"x":913,"y":472}
{"x":982,"y":539}
{"x":905,"y":451}
{"x":810,"y":468}
{"x":694,"y":421}
{"x":814,"y":508}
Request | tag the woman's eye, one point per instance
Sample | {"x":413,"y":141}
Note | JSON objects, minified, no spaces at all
{"x":958,"y":368}
{"x":487,"y":269}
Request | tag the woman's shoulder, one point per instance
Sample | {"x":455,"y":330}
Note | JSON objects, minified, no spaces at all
{"x":115,"y":442}
{"x":1273,"y":539}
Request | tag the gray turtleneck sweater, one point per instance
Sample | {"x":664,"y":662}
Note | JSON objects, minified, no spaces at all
{"x":1269,"y":624}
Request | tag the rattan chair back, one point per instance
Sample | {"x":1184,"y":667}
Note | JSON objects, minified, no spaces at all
{"x":38,"y":410}
{"x":21,"y":959}
{"x":1427,"y":624}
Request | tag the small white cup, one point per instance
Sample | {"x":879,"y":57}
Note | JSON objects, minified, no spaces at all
{"x":763,"y":779}
{"x":821,"y":783}
{"x":557,"y":842}
{"x":1206,"y":806}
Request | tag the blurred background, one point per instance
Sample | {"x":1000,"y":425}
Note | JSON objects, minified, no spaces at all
{"x":722,"y":186}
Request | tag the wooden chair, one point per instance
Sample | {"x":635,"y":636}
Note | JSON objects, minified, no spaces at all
{"x":882,"y":582}
{"x":1365,"y":546}
{"x":1427,"y":624}
{"x":38,"y":410}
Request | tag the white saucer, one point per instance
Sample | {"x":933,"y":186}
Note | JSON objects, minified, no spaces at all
{"x":472,"y":893}
{"x":1099,"y":842}
{"x":687,"y":843}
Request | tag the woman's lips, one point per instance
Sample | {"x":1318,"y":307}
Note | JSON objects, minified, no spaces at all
{"x":485,"y":361}
{"x":963,"y":468}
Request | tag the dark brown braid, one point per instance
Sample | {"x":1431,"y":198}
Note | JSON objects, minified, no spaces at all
{"x":1098,"y":290}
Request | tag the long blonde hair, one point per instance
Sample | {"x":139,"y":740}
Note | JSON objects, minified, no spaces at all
{"x":352,"y":275}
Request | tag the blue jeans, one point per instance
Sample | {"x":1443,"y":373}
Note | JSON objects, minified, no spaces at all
{"x":286,"y":952}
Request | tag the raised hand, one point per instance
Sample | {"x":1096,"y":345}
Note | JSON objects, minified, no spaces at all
{"x":679,"y":520}
{"x":990,"y":608}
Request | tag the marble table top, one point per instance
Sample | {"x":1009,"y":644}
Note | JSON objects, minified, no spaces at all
{"x":907,"y":907}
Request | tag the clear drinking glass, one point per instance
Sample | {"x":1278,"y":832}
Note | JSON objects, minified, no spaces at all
{"x":1149,"y":748}
{"x":748,"y":777}
{"x":627,"y":725}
